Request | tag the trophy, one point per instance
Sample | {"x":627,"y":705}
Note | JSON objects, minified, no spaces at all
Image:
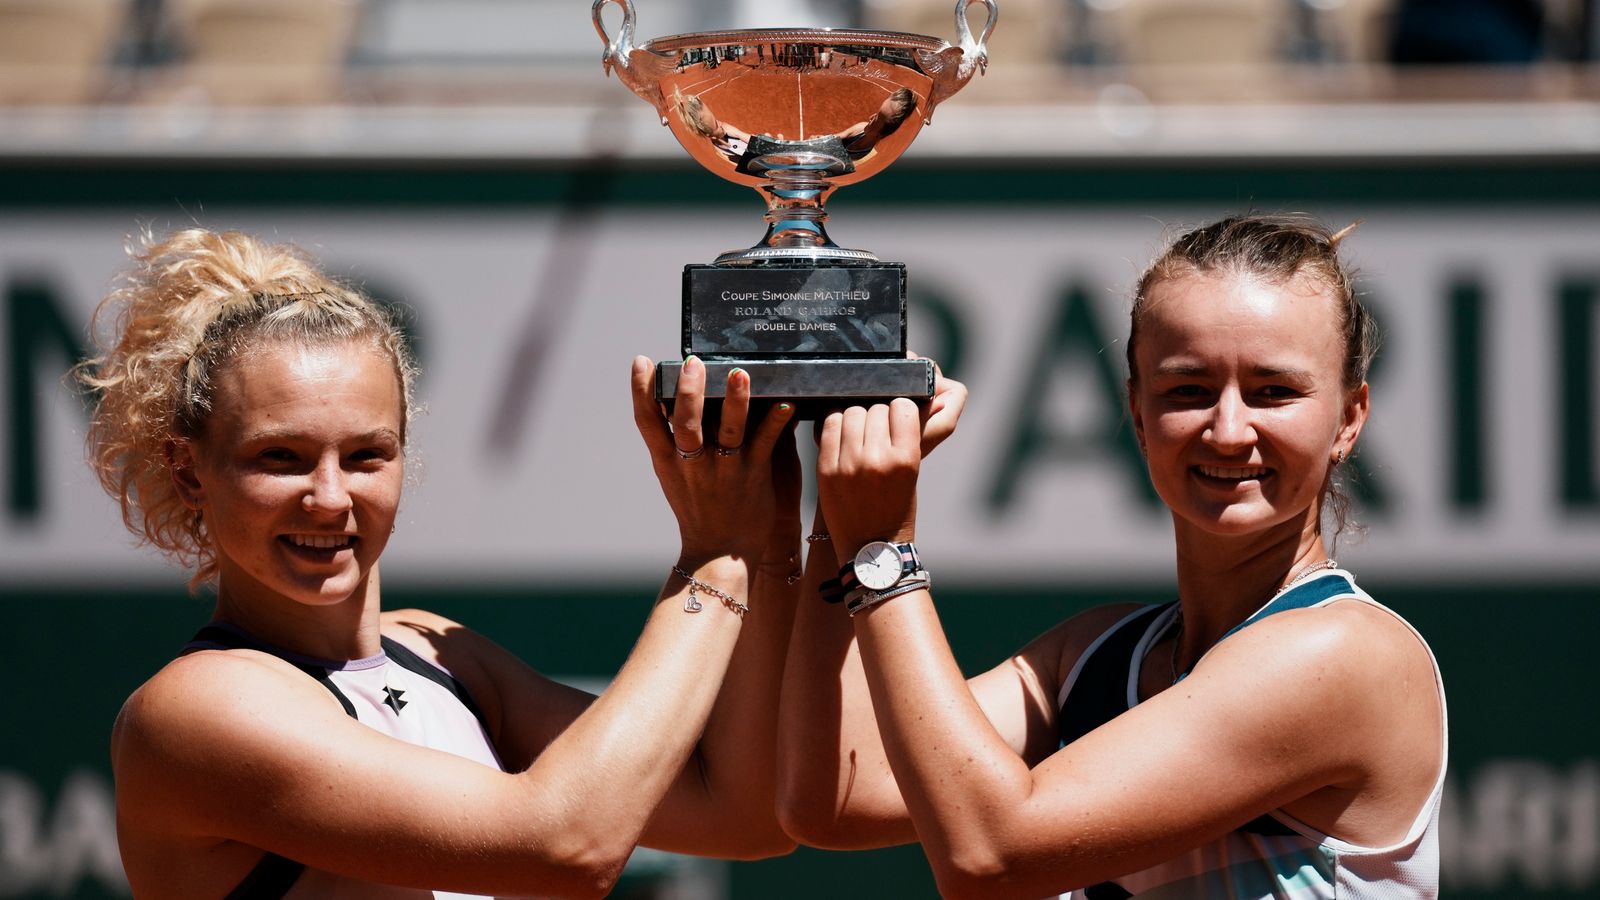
{"x":795,"y":113}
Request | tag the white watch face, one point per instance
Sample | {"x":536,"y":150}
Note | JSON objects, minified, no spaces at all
{"x":878,"y":566}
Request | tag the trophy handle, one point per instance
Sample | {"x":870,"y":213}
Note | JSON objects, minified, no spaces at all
{"x":637,"y":67}
{"x":618,"y":48}
{"x":978,"y":49}
{"x":952,"y":67}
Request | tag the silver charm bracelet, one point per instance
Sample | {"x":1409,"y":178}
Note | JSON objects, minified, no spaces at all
{"x":692,"y":604}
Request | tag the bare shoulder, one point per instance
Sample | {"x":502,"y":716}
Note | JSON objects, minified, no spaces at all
{"x":1373,"y":649}
{"x":206,"y":686}
{"x":1349,"y":675}
{"x":1359,"y":643}
{"x":1351,"y":686}
{"x":199,"y":715}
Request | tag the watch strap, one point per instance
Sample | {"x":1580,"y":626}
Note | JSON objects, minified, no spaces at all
{"x":831,"y":591}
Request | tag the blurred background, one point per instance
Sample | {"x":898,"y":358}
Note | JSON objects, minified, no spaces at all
{"x":468,"y":160}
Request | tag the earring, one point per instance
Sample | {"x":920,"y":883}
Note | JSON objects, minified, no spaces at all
{"x":1338,"y":458}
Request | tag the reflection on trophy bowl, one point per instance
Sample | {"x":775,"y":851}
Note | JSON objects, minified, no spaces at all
{"x":795,"y":113}
{"x":747,"y":109}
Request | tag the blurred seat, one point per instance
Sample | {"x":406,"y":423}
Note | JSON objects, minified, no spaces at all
{"x":265,"y":51}
{"x":1362,"y":27}
{"x":1212,"y":33}
{"x":1469,"y":32}
{"x":56,"y":51}
{"x":1030,"y":32}
{"x":467,"y":33}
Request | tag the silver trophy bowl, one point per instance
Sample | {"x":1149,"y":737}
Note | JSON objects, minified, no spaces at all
{"x":795,"y":112}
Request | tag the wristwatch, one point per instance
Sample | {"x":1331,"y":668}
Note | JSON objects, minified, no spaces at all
{"x":879,"y":566}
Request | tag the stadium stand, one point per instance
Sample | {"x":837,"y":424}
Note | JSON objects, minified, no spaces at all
{"x":56,"y":51}
{"x":264,"y":51}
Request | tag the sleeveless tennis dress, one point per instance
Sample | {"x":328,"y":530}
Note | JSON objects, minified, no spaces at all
{"x":1274,"y":856}
{"x":396,"y":692}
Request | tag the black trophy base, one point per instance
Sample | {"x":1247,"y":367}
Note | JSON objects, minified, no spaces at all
{"x":813,"y":385}
{"x":801,"y":309}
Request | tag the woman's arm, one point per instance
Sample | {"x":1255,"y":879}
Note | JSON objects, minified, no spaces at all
{"x":1274,"y":714}
{"x":721,"y":803}
{"x":836,"y":789}
{"x":238,"y":748}
{"x":724,"y":802}
{"x":1280,"y":712}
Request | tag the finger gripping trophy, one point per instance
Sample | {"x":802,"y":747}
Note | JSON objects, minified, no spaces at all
{"x":795,"y":113}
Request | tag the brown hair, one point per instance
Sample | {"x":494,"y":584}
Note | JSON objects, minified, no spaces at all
{"x":193,"y":303}
{"x":1276,"y":249}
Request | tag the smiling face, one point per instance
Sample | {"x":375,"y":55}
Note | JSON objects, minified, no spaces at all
{"x":1238,"y":399}
{"x":299,"y":470}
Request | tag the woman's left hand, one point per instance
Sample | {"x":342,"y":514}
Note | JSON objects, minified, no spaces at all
{"x":867,"y":465}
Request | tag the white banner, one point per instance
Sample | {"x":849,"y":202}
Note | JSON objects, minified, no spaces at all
{"x":1484,"y":444}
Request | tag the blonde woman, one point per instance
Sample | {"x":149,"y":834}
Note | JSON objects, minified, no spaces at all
{"x":252,"y":421}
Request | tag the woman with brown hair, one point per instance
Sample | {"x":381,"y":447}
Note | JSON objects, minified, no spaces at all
{"x":1273,"y":732}
{"x":252,"y":419}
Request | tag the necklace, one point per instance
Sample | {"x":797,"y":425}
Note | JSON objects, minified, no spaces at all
{"x":1306,"y":571}
{"x":1299,"y":575}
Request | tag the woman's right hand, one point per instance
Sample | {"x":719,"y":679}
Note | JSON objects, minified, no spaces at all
{"x":867,"y":465}
{"x":720,"y":486}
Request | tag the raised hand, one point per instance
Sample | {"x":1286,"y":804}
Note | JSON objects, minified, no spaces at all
{"x":867,"y":465}
{"x":721,"y":492}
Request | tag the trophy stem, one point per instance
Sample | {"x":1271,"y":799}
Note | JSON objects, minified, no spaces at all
{"x":795,"y":220}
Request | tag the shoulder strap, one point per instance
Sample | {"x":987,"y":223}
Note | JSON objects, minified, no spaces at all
{"x":400,"y":655}
{"x":1099,"y":692}
{"x":1317,"y":590}
{"x":1301,"y":596}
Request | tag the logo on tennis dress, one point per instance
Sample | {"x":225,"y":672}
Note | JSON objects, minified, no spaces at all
{"x":394,"y":699}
